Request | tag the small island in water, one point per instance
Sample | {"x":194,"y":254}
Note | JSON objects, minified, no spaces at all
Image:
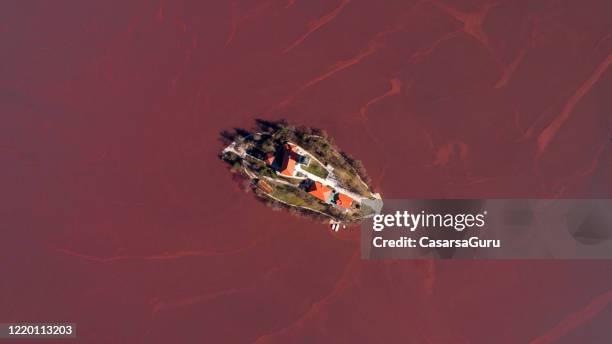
{"x":300,"y":168}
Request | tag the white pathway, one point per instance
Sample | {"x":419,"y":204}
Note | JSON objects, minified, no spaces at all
{"x":331,"y":183}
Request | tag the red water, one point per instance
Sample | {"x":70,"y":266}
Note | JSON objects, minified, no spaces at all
{"x":117,"y":214}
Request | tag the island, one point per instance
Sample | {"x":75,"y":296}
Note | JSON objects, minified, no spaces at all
{"x":302,"y":170}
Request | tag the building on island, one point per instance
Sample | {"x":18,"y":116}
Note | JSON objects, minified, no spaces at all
{"x":320,"y":191}
{"x":284,"y":160}
{"x":343,"y":201}
{"x":261,"y":184}
{"x":327,"y":194}
{"x":289,"y":160}
{"x":269,"y":159}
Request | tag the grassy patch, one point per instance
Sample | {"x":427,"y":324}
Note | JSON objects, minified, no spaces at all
{"x":348,"y":180}
{"x":295,"y":196}
{"x":345,"y":173}
{"x":315,"y":168}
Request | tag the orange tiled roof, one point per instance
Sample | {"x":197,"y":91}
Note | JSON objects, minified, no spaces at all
{"x":269,"y":159}
{"x":288,"y":167}
{"x":289,"y":160}
{"x":320,"y":191}
{"x":344,"y":201}
{"x":264,"y":186}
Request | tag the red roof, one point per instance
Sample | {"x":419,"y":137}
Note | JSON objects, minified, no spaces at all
{"x":288,"y":167}
{"x":289,"y":160}
{"x":320,"y":191}
{"x":344,"y":201}
{"x":269,"y":159}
